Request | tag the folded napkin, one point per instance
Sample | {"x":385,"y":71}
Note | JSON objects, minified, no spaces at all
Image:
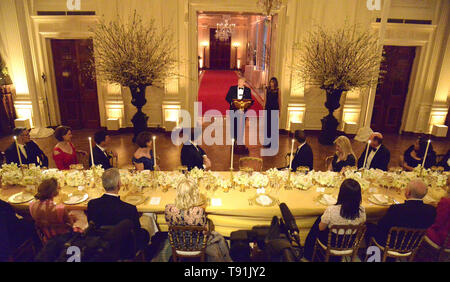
{"x":382,"y":199}
{"x":264,"y":200}
{"x":329,"y":199}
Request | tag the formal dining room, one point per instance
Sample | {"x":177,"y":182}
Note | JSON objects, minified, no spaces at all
{"x":230,"y":131}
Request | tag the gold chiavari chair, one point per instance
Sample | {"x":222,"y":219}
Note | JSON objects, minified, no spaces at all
{"x":250,"y":163}
{"x":188,"y":242}
{"x":341,"y":245}
{"x":401,"y":243}
{"x":328,"y":161}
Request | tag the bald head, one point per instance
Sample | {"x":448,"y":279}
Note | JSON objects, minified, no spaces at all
{"x":416,"y":189}
{"x":241,"y":81}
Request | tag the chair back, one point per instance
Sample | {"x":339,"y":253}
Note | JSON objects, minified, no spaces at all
{"x":251,"y":163}
{"x":343,"y":240}
{"x":188,"y":242}
{"x":443,"y":249}
{"x":328,"y":161}
{"x":403,"y":242}
{"x":303,"y":169}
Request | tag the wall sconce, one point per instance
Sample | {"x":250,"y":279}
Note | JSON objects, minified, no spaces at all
{"x":236,"y":46}
{"x":171,"y":115}
{"x":295,"y":117}
{"x":238,"y":64}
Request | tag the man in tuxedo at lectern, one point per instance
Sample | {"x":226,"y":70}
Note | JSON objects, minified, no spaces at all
{"x":237,"y":117}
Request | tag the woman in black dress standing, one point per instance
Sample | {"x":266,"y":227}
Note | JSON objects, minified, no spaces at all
{"x":272,"y":103}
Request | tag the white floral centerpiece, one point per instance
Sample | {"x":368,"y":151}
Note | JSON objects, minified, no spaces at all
{"x":76,"y":178}
{"x":11,"y":174}
{"x":141,"y":179}
{"x":32,"y":175}
{"x":241,"y":179}
{"x":301,"y":181}
{"x":54,"y":173}
{"x":224,"y":183}
{"x":196,"y":174}
{"x":258,"y":180}
{"x":326,"y":178}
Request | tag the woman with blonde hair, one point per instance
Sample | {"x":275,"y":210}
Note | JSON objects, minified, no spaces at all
{"x":344,"y":155}
{"x":187,"y":209}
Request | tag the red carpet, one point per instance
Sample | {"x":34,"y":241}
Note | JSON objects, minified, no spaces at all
{"x":214,"y":88}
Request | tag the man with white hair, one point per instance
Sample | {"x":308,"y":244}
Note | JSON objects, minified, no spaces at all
{"x":109,"y":210}
{"x":411,"y":214}
{"x":378,"y":156}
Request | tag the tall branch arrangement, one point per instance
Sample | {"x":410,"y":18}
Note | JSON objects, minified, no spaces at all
{"x":342,"y":58}
{"x":133,"y":53}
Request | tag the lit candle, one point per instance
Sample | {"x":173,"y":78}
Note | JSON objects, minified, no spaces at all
{"x":367,"y":152}
{"x":290,"y":158}
{"x":232,"y":153}
{"x":154,"y":152}
{"x":426,"y":153}
{"x":90,"y":148}
{"x":18,"y":152}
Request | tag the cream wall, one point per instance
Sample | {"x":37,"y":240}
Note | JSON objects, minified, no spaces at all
{"x":25,"y":45}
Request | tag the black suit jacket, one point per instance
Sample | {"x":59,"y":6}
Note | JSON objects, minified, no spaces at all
{"x":110,"y":210}
{"x":232,"y":94}
{"x":33,"y":152}
{"x":303,"y":157}
{"x":191,"y":156}
{"x":100,"y":158}
{"x":411,"y":214}
{"x":380,"y":160}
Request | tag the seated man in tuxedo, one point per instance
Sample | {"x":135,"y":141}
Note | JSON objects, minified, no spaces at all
{"x":378,"y":156}
{"x":239,"y":92}
{"x":109,"y":210}
{"x":411,"y":214}
{"x":303,"y":156}
{"x":193,"y":155}
{"x":30,"y":153}
{"x":101,"y":156}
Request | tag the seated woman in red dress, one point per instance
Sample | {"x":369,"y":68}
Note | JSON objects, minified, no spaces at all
{"x":64,"y":152}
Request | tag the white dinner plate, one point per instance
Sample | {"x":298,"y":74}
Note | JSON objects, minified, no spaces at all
{"x":20,"y":198}
{"x":76,"y":199}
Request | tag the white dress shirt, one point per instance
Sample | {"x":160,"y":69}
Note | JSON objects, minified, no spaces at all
{"x":240,"y":94}
{"x":101,"y":148}
{"x":22,"y":149}
{"x":371,"y":155}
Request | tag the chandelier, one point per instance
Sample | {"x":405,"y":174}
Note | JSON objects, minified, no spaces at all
{"x":224,"y":29}
{"x":269,"y":5}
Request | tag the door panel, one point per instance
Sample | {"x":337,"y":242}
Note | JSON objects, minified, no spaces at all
{"x":219,"y":51}
{"x":77,"y":90}
{"x":392,"y":90}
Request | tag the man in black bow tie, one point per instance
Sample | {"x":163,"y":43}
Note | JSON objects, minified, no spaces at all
{"x":378,"y":156}
{"x":30,"y":153}
{"x":239,"y":92}
{"x":101,"y":156}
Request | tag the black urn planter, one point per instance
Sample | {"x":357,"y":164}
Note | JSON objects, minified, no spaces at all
{"x":329,"y":122}
{"x":138,"y":100}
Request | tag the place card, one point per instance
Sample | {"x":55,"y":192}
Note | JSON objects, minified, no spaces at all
{"x":216,"y":202}
{"x":372,"y":190}
{"x":31,"y":187}
{"x":320,"y":189}
{"x":80,"y":188}
{"x":155,"y":201}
